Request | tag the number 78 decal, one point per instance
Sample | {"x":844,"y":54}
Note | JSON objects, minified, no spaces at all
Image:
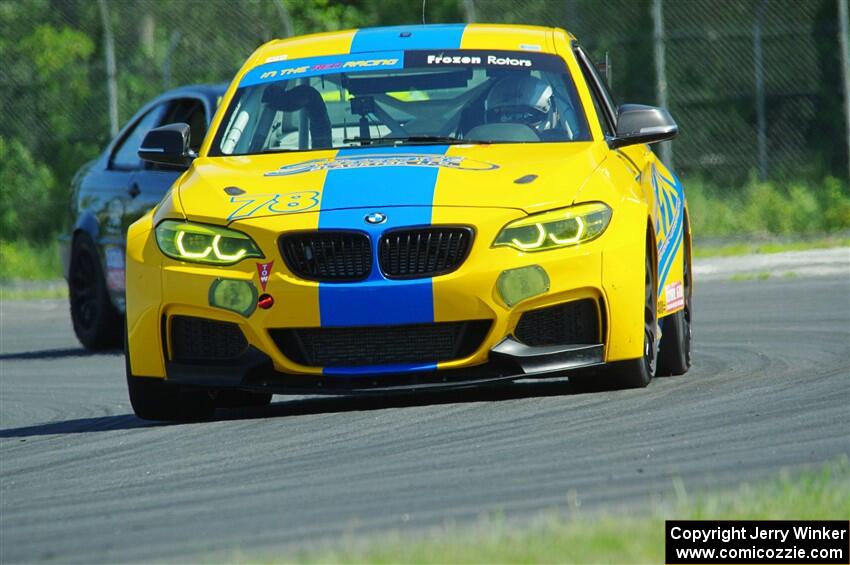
{"x":285,"y":203}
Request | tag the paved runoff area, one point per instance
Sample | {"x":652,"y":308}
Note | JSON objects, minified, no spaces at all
{"x":814,"y":263}
{"x":83,"y":480}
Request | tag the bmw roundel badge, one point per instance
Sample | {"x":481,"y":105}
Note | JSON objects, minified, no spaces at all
{"x":376,"y":218}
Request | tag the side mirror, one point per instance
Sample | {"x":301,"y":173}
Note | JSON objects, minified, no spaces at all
{"x":643,"y":124}
{"x":167,"y":145}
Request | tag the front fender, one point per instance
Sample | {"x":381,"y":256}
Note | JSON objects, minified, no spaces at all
{"x":144,"y":276}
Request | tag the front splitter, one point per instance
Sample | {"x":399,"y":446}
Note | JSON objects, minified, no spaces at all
{"x":509,"y":360}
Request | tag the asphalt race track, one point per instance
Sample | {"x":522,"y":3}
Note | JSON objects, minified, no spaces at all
{"x":83,"y":480}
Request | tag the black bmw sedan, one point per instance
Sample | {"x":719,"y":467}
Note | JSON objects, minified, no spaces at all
{"x":110,"y":193}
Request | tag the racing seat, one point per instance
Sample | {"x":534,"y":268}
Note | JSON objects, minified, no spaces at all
{"x":310,"y":100}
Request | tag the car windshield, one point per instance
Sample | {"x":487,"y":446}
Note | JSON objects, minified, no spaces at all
{"x":402,"y":98}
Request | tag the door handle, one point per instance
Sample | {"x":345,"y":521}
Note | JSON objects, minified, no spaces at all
{"x":134,"y":190}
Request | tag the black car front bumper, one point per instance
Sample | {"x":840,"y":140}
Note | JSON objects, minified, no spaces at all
{"x":509,"y":360}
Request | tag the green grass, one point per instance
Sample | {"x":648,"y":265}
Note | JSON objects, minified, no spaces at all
{"x":23,"y":293}
{"x":29,"y":262}
{"x":703,"y":250}
{"x":637,"y":538}
{"x":763,"y":276}
{"x":768,"y":209}
{"x":759,"y":276}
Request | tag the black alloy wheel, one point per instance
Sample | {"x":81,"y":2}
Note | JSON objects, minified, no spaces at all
{"x":96,"y":322}
{"x":675,"y":350}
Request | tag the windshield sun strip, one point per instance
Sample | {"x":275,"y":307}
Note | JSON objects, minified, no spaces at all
{"x":393,"y":66}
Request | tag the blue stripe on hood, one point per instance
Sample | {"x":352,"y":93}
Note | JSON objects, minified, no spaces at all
{"x":348,"y":196}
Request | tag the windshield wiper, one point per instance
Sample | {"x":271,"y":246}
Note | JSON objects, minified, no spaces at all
{"x":412,"y":139}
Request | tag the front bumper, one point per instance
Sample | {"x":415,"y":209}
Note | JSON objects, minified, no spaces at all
{"x":510,"y":360}
{"x":601,"y":271}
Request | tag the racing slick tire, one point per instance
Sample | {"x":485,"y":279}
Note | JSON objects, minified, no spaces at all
{"x":637,"y":373}
{"x":241,"y":399}
{"x":96,"y":321}
{"x":674,"y":356}
{"x":156,"y":399}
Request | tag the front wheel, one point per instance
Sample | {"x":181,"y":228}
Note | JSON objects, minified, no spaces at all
{"x":241,"y":399}
{"x":157,"y":399}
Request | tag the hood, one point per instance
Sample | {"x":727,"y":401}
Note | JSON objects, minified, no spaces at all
{"x":528,"y":177}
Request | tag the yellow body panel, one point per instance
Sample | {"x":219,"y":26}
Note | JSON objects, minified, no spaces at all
{"x":482,"y":193}
{"x":508,"y":37}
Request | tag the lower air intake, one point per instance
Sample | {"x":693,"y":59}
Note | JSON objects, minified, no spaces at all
{"x":571,"y":323}
{"x":381,"y":345}
{"x":198,"y":340}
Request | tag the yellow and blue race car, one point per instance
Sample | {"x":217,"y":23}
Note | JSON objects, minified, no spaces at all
{"x":406,"y":208}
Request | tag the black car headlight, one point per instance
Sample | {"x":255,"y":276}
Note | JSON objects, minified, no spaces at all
{"x":556,"y":228}
{"x":201,"y":243}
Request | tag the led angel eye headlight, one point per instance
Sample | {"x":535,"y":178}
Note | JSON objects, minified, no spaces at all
{"x":200,"y":243}
{"x":556,"y":229}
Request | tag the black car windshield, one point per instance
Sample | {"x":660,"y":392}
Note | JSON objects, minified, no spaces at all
{"x":402,"y":98}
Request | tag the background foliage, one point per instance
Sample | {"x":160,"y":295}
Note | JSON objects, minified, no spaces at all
{"x":53,"y":93}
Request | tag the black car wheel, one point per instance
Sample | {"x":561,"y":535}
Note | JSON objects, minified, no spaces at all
{"x":96,"y":321}
{"x":157,"y":399}
{"x":241,"y":399}
{"x":675,"y":351}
